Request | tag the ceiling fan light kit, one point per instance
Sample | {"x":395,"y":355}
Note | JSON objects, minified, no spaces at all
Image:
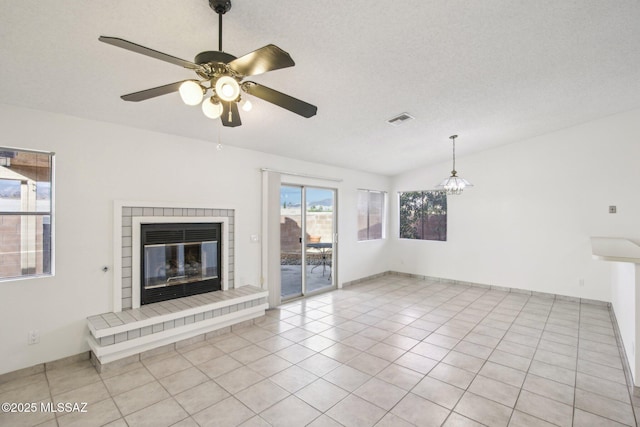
{"x":227,"y":88}
{"x":223,"y":75}
{"x":211,"y":108}
{"x":191,"y":92}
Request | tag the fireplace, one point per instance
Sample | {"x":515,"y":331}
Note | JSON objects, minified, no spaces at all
{"x":179,"y":259}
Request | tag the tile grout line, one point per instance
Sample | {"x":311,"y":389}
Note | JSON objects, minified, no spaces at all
{"x":46,"y":377}
{"x":623,"y":369}
{"x":452,"y":410}
{"x":513,"y":410}
{"x":575,"y":379}
{"x":625,"y":364}
{"x":529,"y":366}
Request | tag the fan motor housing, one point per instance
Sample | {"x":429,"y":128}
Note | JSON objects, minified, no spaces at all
{"x":213,"y":56}
{"x":220,"y":6}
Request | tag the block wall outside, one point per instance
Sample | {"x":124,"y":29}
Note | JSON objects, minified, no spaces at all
{"x":319,"y":224}
{"x":10,"y":246}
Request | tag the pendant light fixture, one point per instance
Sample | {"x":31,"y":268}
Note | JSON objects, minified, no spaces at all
{"x":454,"y":184}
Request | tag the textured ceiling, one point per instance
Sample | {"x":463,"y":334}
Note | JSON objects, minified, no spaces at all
{"x":492,"y":71}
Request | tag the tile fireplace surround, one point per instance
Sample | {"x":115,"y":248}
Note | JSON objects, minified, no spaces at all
{"x":132,"y":329}
{"x":125,"y":214}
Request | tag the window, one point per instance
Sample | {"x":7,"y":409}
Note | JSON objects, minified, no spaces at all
{"x":26,"y":202}
{"x":370,"y":214}
{"x":423,"y":215}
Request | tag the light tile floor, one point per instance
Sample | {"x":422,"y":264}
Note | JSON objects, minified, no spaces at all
{"x":393,"y":351}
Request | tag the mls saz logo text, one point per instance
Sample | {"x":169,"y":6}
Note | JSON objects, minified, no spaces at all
{"x":63,"y":407}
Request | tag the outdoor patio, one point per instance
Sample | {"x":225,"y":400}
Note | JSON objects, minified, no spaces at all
{"x":319,"y":275}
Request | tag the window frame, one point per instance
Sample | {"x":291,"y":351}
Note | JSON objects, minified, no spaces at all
{"x":37,"y":213}
{"x":383,"y":214}
{"x":399,"y":211}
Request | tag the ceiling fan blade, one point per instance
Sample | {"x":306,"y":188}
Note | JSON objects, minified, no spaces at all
{"x":280,"y":99}
{"x":230,"y":116}
{"x":153,"y":92}
{"x":267,"y":58}
{"x":124,"y":44}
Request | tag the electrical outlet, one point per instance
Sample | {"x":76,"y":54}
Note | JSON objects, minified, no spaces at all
{"x":612,"y":209}
{"x":33,"y":337}
{"x":581,"y":282}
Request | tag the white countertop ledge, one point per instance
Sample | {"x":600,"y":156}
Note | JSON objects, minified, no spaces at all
{"x":615,"y":249}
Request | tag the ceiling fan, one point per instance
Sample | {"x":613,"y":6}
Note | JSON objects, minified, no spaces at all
{"x":223,"y":75}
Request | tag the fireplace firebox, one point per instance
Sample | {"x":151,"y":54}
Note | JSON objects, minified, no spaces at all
{"x":179,"y":259}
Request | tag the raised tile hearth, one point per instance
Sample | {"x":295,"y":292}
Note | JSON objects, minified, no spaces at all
{"x":121,"y":334}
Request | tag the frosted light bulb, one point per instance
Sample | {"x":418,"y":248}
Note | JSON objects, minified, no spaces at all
{"x":246,"y":105}
{"x":191,"y":92}
{"x":211,"y":109}
{"x":227,"y":88}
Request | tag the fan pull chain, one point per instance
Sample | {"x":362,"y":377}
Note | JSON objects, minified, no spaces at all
{"x":230,"y":115}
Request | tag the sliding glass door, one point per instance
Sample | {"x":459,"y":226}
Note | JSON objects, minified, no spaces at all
{"x":291,"y":218}
{"x":318,"y":238}
{"x":307,"y":240}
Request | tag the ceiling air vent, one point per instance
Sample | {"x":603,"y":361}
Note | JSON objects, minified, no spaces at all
{"x":400,"y":119}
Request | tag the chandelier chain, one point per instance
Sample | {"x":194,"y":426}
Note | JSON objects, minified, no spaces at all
{"x":453,"y":138}
{"x":454,"y":154}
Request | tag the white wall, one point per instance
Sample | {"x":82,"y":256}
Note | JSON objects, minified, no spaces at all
{"x":527,"y":222}
{"x":97,"y":163}
{"x":624,"y":302}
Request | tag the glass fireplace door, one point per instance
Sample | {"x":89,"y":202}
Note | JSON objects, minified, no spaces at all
{"x":179,"y":260}
{"x":179,"y":263}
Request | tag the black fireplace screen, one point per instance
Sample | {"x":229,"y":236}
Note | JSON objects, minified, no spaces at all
{"x":179,"y":260}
